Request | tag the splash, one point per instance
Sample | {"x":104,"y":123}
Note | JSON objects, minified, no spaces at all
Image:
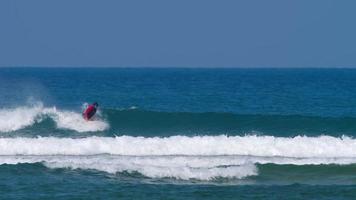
{"x":21,"y":117}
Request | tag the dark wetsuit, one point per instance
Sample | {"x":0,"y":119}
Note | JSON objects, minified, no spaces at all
{"x":89,"y":112}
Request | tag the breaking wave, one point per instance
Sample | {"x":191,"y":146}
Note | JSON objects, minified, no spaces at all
{"x":21,"y":117}
{"x":181,"y":157}
{"x":297,"y":147}
{"x":179,"y":167}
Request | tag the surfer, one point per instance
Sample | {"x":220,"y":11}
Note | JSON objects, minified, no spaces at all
{"x":90,"y":111}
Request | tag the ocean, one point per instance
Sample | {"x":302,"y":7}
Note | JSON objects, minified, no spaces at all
{"x":178,"y":133}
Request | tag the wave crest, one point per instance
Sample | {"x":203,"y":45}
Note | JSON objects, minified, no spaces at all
{"x":297,"y":147}
{"x":21,"y":117}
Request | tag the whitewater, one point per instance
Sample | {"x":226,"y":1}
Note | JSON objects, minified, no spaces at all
{"x":24,"y":116}
{"x":182,"y":157}
{"x":298,"y":147}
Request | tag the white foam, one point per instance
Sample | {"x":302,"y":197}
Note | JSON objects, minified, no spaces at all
{"x":14,"y":119}
{"x":155,"y":167}
{"x":21,"y":117}
{"x":74,"y":121}
{"x":266,"y":146}
{"x":182,"y":157}
{"x":180,"y":167}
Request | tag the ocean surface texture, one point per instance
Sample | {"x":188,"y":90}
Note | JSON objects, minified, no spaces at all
{"x":178,"y":133}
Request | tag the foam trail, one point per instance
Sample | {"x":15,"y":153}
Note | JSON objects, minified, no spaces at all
{"x":265,"y":146}
{"x":180,"y":172}
{"x":21,"y":117}
{"x":180,"y":167}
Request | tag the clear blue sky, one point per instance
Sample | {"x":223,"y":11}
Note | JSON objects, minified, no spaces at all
{"x":181,"y":33}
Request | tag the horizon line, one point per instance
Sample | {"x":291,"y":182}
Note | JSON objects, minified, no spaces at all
{"x":180,"y":67}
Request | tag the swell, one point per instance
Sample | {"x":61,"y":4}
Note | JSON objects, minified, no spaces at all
{"x":142,"y":122}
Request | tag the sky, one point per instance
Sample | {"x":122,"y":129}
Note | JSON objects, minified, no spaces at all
{"x":178,"y":33}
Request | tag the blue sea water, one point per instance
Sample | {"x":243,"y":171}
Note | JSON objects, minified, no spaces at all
{"x":178,"y":133}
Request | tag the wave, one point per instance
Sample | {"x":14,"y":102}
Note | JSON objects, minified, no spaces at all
{"x":179,"y":167}
{"x":181,"y":157}
{"x":214,"y":169}
{"x":267,"y":146}
{"x":25,"y":116}
{"x":138,"y":122}
{"x":18,"y":118}
{"x":204,"y":168}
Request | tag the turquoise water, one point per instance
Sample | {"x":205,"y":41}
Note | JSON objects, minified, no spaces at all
{"x":178,"y":133}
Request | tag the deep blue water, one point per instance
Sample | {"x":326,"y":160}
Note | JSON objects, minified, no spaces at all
{"x":178,"y":133}
{"x":320,"y":92}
